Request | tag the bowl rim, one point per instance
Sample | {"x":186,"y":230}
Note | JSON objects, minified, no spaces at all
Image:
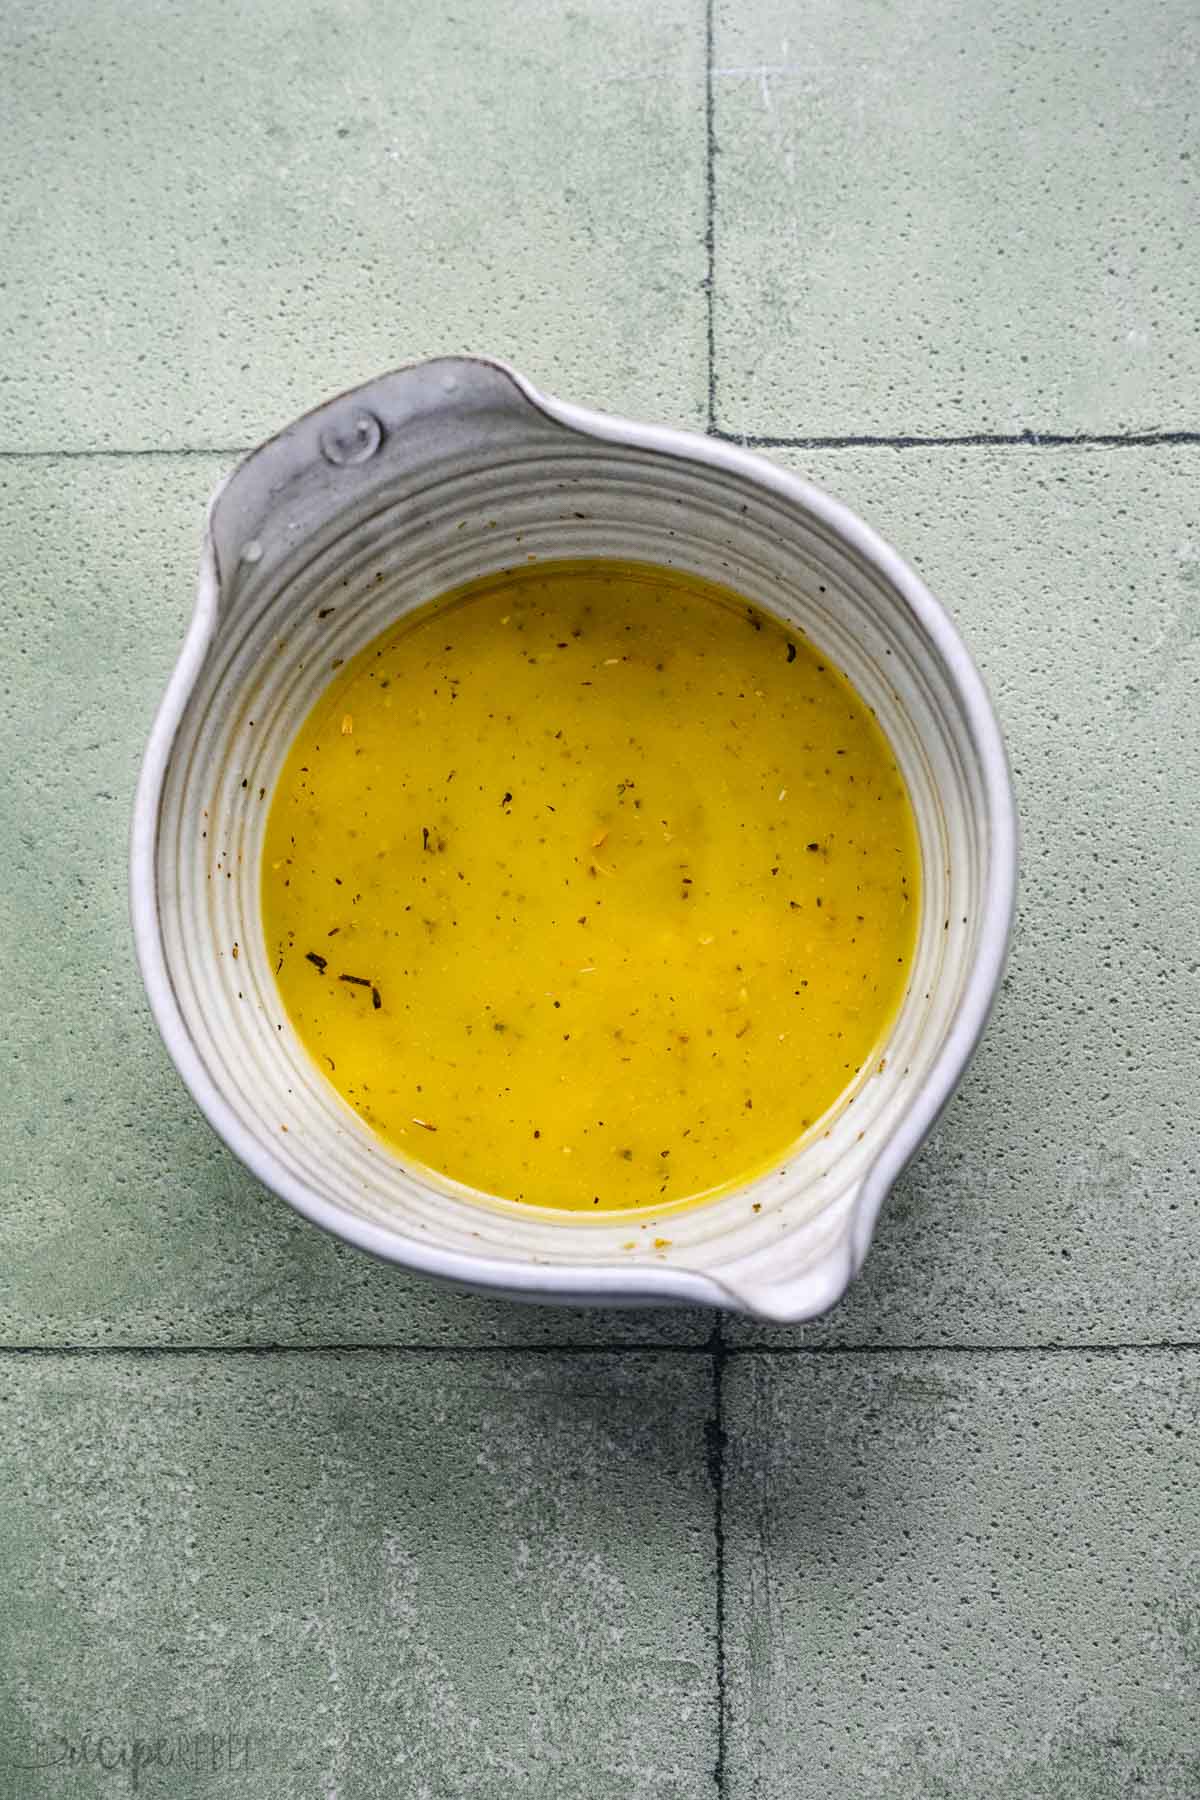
{"x":801,"y":1296}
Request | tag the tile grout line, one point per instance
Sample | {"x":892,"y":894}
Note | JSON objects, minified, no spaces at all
{"x":710,"y":213}
{"x":708,"y":1347}
{"x":715,"y":1430}
{"x":103,"y":453}
{"x":983,"y":440}
{"x":715,"y":1441}
{"x":1058,"y":1348}
{"x":1015,"y":440}
{"x":149,"y":1351}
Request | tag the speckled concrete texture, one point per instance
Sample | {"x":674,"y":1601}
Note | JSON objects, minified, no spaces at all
{"x":384,"y":1575}
{"x":963,"y":1576}
{"x":936,"y":218}
{"x":1058,"y":1200}
{"x":216,"y":216}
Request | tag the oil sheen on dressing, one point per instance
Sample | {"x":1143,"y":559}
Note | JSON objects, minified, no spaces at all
{"x":591,"y":886}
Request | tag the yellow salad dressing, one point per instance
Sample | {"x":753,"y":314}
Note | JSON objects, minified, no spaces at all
{"x":591,"y":886}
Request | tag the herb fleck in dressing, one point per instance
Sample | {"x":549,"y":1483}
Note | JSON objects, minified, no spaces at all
{"x":591,"y":886}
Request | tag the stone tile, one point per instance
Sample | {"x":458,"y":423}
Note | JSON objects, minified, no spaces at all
{"x":122,"y":1218}
{"x":1058,"y":1199}
{"x":216,"y":218}
{"x":953,"y":1575}
{"x":940,"y":220}
{"x":376,"y":1574}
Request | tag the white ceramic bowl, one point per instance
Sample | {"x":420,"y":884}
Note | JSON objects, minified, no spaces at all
{"x":379,"y":501}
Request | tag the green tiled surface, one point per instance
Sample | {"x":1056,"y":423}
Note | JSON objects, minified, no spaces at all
{"x":215,"y":216}
{"x":963,"y":1576}
{"x":384,"y":1574}
{"x":939,"y":218}
{"x":509,"y":1552}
